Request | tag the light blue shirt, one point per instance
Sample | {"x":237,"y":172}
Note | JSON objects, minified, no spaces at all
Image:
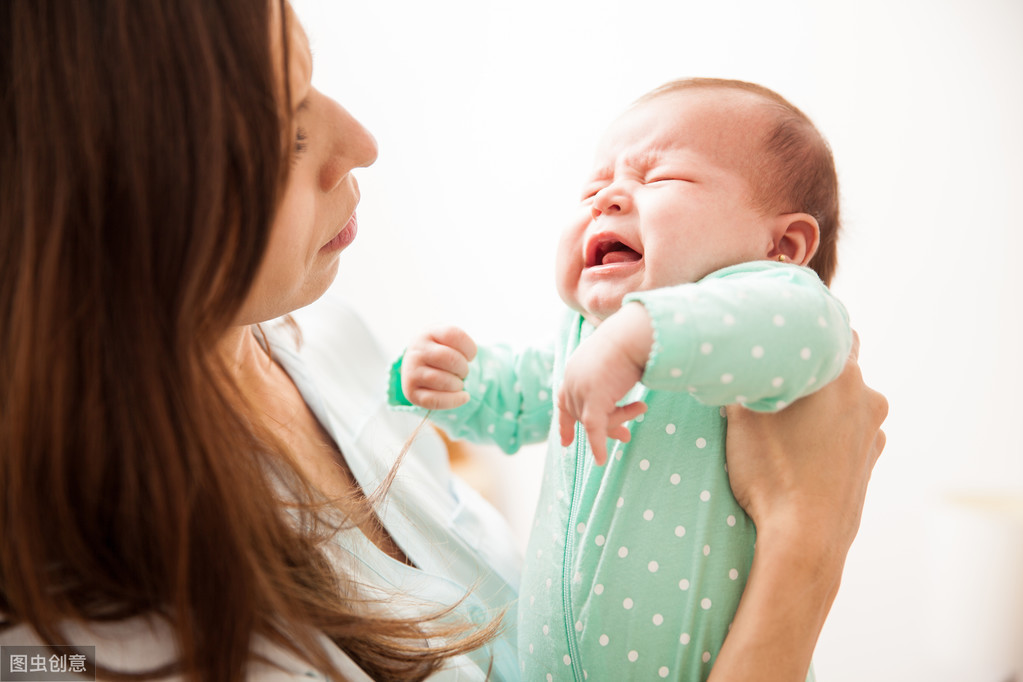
{"x":461,"y":546}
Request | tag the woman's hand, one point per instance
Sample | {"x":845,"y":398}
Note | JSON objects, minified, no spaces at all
{"x":807,"y":467}
{"x":802,"y":475}
{"x":434,"y":368}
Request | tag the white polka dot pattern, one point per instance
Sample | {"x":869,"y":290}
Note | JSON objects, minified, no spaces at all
{"x":658,"y":551}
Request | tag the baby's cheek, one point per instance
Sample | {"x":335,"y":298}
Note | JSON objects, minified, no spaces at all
{"x":568,"y":289}
{"x":567,"y":264}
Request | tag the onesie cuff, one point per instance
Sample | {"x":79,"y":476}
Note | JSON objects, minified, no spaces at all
{"x":395,"y":396}
{"x":672,"y":350}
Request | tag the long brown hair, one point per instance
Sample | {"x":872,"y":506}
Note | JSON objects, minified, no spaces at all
{"x":144,"y":150}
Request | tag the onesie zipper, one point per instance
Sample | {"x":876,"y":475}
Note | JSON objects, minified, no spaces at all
{"x":566,"y":568}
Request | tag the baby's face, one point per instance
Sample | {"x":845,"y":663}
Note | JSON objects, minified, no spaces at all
{"x":668,"y":201}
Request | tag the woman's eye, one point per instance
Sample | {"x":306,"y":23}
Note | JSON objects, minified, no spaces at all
{"x":301,"y":141}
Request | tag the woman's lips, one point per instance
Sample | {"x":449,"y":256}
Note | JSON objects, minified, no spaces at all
{"x":343,"y":238}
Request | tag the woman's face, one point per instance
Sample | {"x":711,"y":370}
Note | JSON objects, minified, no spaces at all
{"x":315,"y":220}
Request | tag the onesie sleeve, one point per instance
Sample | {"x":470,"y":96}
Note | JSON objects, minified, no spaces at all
{"x":510,"y":398}
{"x":758,"y":334}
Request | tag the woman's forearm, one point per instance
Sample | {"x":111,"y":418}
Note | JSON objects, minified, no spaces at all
{"x":787,"y":598}
{"x":801,"y":474}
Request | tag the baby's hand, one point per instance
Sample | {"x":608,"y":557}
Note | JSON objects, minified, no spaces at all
{"x":434,"y":367}
{"x":600,"y":372}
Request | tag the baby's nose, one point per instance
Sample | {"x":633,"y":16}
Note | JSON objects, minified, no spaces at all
{"x":610,"y":209}
{"x":610,"y":200}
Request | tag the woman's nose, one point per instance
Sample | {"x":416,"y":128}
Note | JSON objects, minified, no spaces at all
{"x":610,"y":200}
{"x":352,"y":147}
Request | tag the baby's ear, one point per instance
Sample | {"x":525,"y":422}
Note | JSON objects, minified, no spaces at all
{"x":797,"y":236}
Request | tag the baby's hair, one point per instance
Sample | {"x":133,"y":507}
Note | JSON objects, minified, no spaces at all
{"x":796,"y":172}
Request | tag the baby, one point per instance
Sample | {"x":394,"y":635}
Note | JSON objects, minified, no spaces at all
{"x":696,"y":272}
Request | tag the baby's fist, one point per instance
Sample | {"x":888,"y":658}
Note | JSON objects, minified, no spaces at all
{"x":434,"y":367}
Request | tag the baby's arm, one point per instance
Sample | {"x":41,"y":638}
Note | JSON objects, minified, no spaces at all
{"x":759,"y":334}
{"x":600,"y":372}
{"x":489,"y":394}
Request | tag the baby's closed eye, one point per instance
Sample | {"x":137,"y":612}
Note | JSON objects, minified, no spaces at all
{"x":656,"y":178}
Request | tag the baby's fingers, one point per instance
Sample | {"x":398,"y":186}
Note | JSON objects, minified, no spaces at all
{"x":438,"y":357}
{"x":456,"y":339}
{"x":566,"y":426}
{"x":620,"y":432}
{"x":436,"y":380}
{"x":567,"y":418}
{"x":626,"y":413}
{"x":596,"y":433}
{"x":598,"y":444}
{"x":437,"y":400}
{"x":616,"y":421}
{"x":448,"y":349}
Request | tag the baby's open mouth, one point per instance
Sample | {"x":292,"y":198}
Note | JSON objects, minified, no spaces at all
{"x":611,"y":252}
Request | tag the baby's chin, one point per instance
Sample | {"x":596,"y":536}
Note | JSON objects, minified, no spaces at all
{"x":595,"y":309}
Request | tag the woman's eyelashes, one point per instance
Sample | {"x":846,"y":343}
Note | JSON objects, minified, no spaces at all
{"x":301,"y":142}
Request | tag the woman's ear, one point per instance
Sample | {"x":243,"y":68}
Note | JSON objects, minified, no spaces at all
{"x":797,"y":236}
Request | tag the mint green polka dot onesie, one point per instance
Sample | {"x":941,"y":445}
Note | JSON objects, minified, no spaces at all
{"x":634,"y":570}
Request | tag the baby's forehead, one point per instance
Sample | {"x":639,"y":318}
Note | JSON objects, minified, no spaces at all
{"x":697,"y":122}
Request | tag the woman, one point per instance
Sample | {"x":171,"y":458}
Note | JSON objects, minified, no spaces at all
{"x":191,"y":493}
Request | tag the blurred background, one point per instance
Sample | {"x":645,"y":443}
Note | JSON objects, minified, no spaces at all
{"x":487,"y":112}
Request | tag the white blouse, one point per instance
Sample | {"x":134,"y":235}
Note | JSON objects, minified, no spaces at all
{"x":462,"y":548}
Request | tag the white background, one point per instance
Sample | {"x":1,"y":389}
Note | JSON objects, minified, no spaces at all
{"x":486,"y":114}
